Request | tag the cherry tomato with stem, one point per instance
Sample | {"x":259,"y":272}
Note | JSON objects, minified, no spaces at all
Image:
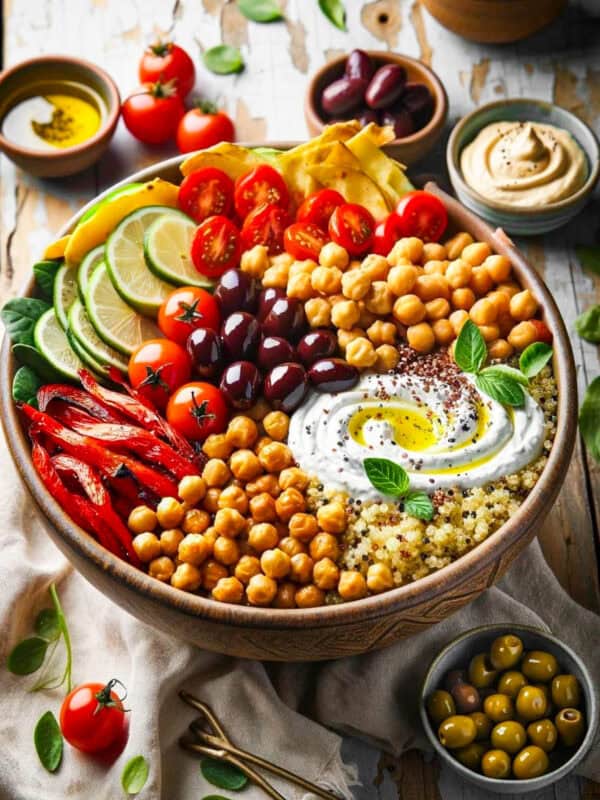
{"x":352,"y":226}
{"x":157,"y":367}
{"x":92,"y":717}
{"x":202,"y":127}
{"x":262,"y":185}
{"x":166,"y":61}
{"x":196,"y":410}
{"x":152,"y":112}
{"x":265,"y":225}
{"x":422,"y":214}
{"x":387,"y":234}
{"x":186,"y":309}
{"x":207,"y":192}
{"x":318,"y":207}
{"x":304,"y":240}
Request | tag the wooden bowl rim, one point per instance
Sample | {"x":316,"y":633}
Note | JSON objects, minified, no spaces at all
{"x":437,"y":584}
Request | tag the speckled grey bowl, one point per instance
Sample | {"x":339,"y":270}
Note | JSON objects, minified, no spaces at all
{"x":524,"y":222}
{"x":457,"y":655}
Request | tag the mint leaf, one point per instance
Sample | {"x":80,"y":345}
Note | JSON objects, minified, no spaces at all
{"x":499,"y":387}
{"x":510,"y":372}
{"x":386,"y":476}
{"x":260,"y":10}
{"x":28,"y":656}
{"x":589,"y":258}
{"x":223,"y":59}
{"x":470,"y":350}
{"x":534,"y":358}
{"x":48,"y":741}
{"x":335,"y":12}
{"x":419,"y":505}
{"x":134,"y":775}
{"x":587,"y":325}
{"x":589,"y":418}
{"x":224,"y":775}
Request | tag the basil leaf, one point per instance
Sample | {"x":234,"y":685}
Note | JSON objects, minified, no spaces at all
{"x":134,"y":775}
{"x":419,"y":505}
{"x":386,"y":476}
{"x":470,"y":350}
{"x":27,"y":656}
{"x":260,"y":10}
{"x":223,"y":59}
{"x":45,"y":273}
{"x":501,"y":388}
{"x":589,"y":258}
{"x":589,"y":418}
{"x":31,"y":357}
{"x":48,"y":741}
{"x":335,"y":12}
{"x":19,"y":316}
{"x":510,"y":372}
{"x":47,"y":624}
{"x":25,"y":385}
{"x":534,"y":358}
{"x":587,"y":325}
{"x":224,"y":775}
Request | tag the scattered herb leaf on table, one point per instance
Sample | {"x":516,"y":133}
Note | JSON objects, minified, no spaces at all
{"x":28,"y":656}
{"x":47,"y":624}
{"x":223,"y":59}
{"x":335,"y":12}
{"x":225,"y":776}
{"x":587,"y":325}
{"x":589,"y":418}
{"x":48,"y":741}
{"x":260,"y":10}
{"x":134,"y":775}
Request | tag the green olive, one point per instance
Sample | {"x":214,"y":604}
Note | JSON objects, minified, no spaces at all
{"x":506,"y":651}
{"x":481,"y":672}
{"x":457,"y":731}
{"x":565,"y":691}
{"x":496,"y":764}
{"x":543,"y":733}
{"x":440,"y":706}
{"x":472,"y":754}
{"x":466,"y":698}
{"x":483,"y":725}
{"x":509,"y":736}
{"x":539,"y":666}
{"x":531,"y":762}
{"x":570,"y":725}
{"x":531,"y":703}
{"x":499,"y":707}
{"x":511,"y":683}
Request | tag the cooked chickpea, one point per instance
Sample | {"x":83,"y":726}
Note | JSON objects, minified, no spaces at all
{"x":300,"y":286}
{"x":255,"y":261}
{"x":211,"y":500}
{"x":361,"y":353}
{"x":187,"y":577}
{"x":289,"y":502}
{"x":263,"y":536}
{"x":262,"y":442}
{"x":212,"y":572}
{"x":351,"y":585}
{"x":523,"y":305}
{"x":286,"y":595}
{"x":246,"y":567}
{"x":216,"y":473}
{"x":409,"y":247}
{"x":210,"y":534}
{"x":303,"y":526}
{"x":459,"y":273}
{"x":332,"y":517}
{"x":429,"y":287}
{"x":276,"y":277}
{"x":293,"y":477}
{"x":489,"y":332}
{"x":301,"y":568}
{"x":229,"y":522}
{"x":345,"y":314}
{"x":435,"y":267}
{"x":481,"y":281}
{"x":226,"y":551}
{"x":375,"y":267}
{"x":476,"y":253}
{"x":169,"y":541}
{"x":275,"y":563}
{"x":379,"y":299}
{"x":355,"y":284}
{"x":217,"y":446}
{"x":309,"y":596}
{"x":326,"y":574}
{"x":510,"y":288}
{"x":324,"y":545}
{"x":420,"y":337}
{"x":498,"y":267}
{"x":457,"y":319}
{"x":281,"y":259}
{"x":244,"y":465}
{"x":463,"y":298}
{"x":334,"y":255}
{"x":169,"y":512}
{"x":261,"y":590}
{"x":387,"y":357}
{"x":262,"y":508}
{"x":437,"y":309}
{"x":146,"y":546}
{"x":142,"y":519}
{"x":161,"y":568}
{"x":457,"y":244}
{"x":291,"y":546}
{"x":522,"y":335}
{"x":191,"y":489}
{"x":381,"y":332}
{"x":409,"y":309}
{"x":326,"y":280}
{"x":275,"y":456}
{"x":318,"y":312}
{"x":500,"y":349}
{"x":242,"y":432}
{"x":434,"y":250}
{"x":379,"y":578}
{"x":506,"y":323}
{"x":193,"y":549}
{"x":228,"y":590}
{"x":500,"y":300}
{"x":276,"y":425}
{"x":266,"y":483}
{"x":401,"y":279}
{"x":306,"y":267}
{"x":443,"y":331}
{"x":483,"y":312}
{"x":345,"y":337}
{"x":233,"y":497}
{"x":195,"y":521}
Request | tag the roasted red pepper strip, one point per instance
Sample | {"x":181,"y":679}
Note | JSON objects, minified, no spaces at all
{"x":78,"y":397}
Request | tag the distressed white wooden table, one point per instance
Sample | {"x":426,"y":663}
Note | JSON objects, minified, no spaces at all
{"x":562,"y":64}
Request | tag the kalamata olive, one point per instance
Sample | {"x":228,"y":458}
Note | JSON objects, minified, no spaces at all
{"x":466,"y":698}
{"x":285,"y":319}
{"x":333,"y":375}
{"x":236,"y":291}
{"x":316,"y":344}
{"x":359,"y":65}
{"x":285,"y":386}
{"x":206,"y":351}
{"x":453,"y":678}
{"x":367,"y":116}
{"x":386,"y":86}
{"x":240,"y":384}
{"x":343,"y":95}
{"x":265,"y":301}
{"x":274,"y":350}
{"x":416,"y":98}
{"x":240,"y":334}
{"x":401,"y":121}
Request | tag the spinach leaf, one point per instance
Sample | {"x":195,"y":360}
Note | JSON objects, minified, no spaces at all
{"x":335,"y":12}
{"x":260,"y":10}
{"x":48,"y":741}
{"x":589,"y":418}
{"x":134,"y":775}
{"x":27,"y":656}
{"x":223,"y":775}
{"x":501,"y":388}
{"x":587,"y":324}
{"x":45,"y":273}
{"x":19,"y":316}
{"x":25,"y":385}
{"x":470,"y":350}
{"x":31,"y":357}
{"x":223,"y":59}
{"x":534,"y":358}
{"x":419,"y":505}
{"x":386,"y":476}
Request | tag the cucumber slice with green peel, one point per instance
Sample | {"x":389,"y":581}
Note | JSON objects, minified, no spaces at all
{"x":65,"y":291}
{"x":84,"y":332}
{"x":124,"y":256}
{"x":51,"y":340}
{"x":119,"y":325}
{"x":99,"y":370}
{"x":87,"y":266}
{"x":167,"y":248}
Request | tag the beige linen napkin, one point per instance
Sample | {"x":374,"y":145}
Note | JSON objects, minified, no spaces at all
{"x":274,"y":710}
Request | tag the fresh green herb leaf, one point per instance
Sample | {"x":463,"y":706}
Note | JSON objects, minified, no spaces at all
{"x":335,"y":12}
{"x":419,"y":505}
{"x":48,"y":741}
{"x":27,"y":656}
{"x":534,"y":358}
{"x":470,"y":350}
{"x":25,"y":385}
{"x":589,"y":418}
{"x":223,"y":59}
{"x":510,"y":372}
{"x":47,"y":624}
{"x":386,"y":476}
{"x":225,"y":776}
{"x":19,"y":316}
{"x":260,"y":10}
{"x":62,"y":622}
{"x":31,"y":357}
{"x":589,"y":258}
{"x":45,"y":273}
{"x":500,"y":387}
{"x":134,"y":775}
{"x":587,"y":325}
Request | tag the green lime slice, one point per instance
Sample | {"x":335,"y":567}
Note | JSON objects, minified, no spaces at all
{"x":99,"y":370}
{"x":124,"y":254}
{"x":167,"y":247}
{"x":84,"y":332}
{"x":87,"y":266}
{"x":51,"y":340}
{"x":119,"y":325}
{"x":65,"y":291}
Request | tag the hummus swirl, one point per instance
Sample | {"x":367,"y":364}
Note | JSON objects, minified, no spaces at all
{"x":440,"y":439}
{"x":524,"y":164}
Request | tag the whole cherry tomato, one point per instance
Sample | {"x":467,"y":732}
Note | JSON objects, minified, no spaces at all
{"x":258,"y":187}
{"x":205,"y":193}
{"x":152,"y":112}
{"x":352,"y":227}
{"x":319,"y":206}
{"x":185,"y":309}
{"x":92,"y":717}
{"x":202,"y":127}
{"x":543,"y":332}
{"x":166,"y":61}
{"x":157,"y":367}
{"x":265,"y":225}
{"x":304,"y":240}
{"x":216,"y":246}
{"x":422,"y":214}
{"x":196,"y":410}
{"x":387,"y":234}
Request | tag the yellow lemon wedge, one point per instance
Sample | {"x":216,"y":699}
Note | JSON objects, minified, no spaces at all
{"x":57,"y":248}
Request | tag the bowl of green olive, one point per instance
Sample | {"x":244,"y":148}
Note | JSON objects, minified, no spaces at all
{"x":509,"y":707}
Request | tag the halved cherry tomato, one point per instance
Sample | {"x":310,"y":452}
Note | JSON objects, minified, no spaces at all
{"x":387,"y":234}
{"x":197,"y":409}
{"x":260,"y":186}
{"x":165,"y":61}
{"x":157,"y":367}
{"x":304,"y":240}
{"x":216,"y":246}
{"x":152,"y":112}
{"x":206,"y":193}
{"x":543,"y":332}
{"x":202,"y":127}
{"x":265,"y":225}
{"x":92,"y":718}
{"x":185,"y":309}
{"x":422,"y":214}
{"x":319,"y":206}
{"x":352,"y":227}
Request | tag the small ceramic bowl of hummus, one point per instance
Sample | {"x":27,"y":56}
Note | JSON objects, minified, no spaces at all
{"x":524,"y":165}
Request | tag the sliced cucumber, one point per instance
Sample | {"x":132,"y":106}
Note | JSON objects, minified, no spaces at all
{"x":119,"y":325}
{"x":167,"y":247}
{"x":124,"y":255}
{"x":65,"y":291}
{"x":87,"y":266}
{"x":51,"y":340}
{"x":85,"y":334}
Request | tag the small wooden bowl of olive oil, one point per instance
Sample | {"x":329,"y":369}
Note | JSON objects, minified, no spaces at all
{"x":57,"y":114}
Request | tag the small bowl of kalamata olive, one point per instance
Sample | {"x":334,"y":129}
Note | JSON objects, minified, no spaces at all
{"x":381,"y":87}
{"x":509,"y":707}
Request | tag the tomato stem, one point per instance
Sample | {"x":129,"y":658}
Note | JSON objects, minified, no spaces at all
{"x":104,"y":696}
{"x":160,"y":48}
{"x":206,"y":106}
{"x":199,"y":412}
{"x":153,"y":377}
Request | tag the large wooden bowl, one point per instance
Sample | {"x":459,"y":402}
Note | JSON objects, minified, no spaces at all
{"x":330,"y":631}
